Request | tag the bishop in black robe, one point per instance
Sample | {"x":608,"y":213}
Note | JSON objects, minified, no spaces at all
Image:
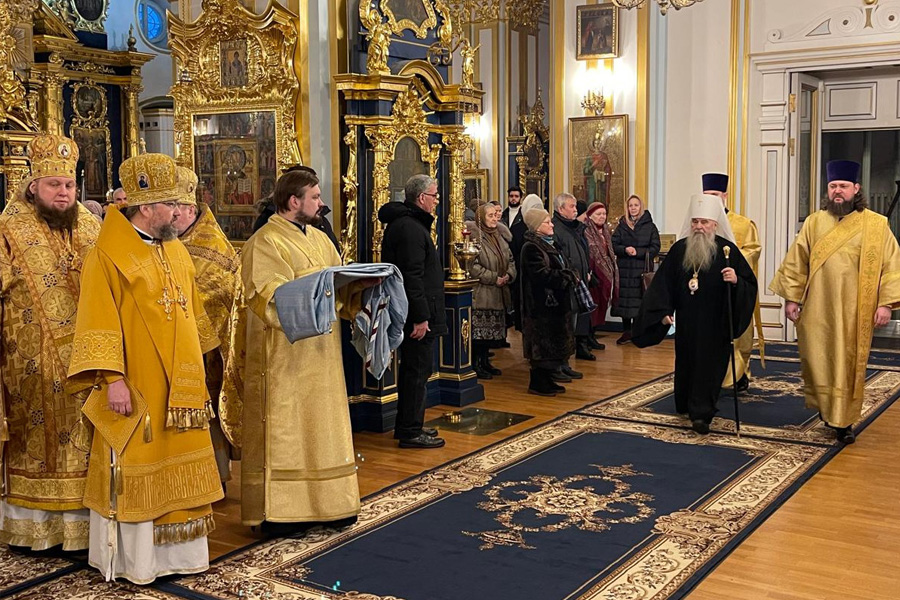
{"x":702,"y":345}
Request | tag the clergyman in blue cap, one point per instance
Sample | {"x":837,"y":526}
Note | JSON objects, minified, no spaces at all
{"x":746,"y":237}
{"x":839,"y":280}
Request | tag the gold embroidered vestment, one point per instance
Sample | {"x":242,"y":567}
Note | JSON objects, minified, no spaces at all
{"x":167,"y":474}
{"x":40,"y":271}
{"x":841,"y":272}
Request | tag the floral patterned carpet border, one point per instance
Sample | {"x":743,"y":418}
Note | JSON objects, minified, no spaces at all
{"x":20,"y":570}
{"x":88,"y":584}
{"x":773,"y":408}
{"x":581,"y":507}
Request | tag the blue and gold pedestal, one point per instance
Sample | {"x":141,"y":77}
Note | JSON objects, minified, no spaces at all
{"x":456,"y":384}
{"x":373,"y":403}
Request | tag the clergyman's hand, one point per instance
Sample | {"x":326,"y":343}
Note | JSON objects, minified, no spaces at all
{"x":882,"y":316}
{"x":792,"y":310}
{"x":667,"y":320}
{"x":119,"y":398}
{"x":729,"y":275}
{"x":419,"y":330}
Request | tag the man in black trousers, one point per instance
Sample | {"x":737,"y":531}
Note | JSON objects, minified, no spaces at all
{"x":407,"y":243}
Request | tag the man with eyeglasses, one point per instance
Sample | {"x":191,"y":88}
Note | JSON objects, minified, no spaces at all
{"x":140,"y":337}
{"x":407,"y":243}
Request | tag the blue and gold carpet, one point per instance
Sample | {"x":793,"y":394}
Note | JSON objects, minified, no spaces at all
{"x":617,"y":501}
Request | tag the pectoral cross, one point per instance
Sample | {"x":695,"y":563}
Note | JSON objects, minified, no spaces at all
{"x":166,"y":302}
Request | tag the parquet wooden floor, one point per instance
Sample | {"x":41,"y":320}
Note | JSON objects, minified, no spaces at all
{"x":838,"y":537}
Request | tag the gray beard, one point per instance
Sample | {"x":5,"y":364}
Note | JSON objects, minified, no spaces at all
{"x":167,"y":232}
{"x":700,"y":250}
{"x":839,"y":209}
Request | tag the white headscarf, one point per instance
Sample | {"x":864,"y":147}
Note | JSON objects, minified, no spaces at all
{"x":707,"y":206}
{"x":531,"y":201}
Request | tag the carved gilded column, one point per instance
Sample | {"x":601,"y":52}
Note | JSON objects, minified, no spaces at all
{"x":349,"y":246}
{"x":53,"y":81}
{"x":457,"y":144}
{"x":382,"y":140}
{"x":132,"y":133}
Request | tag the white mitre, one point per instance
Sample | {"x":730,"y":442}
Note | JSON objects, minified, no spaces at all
{"x":707,"y":206}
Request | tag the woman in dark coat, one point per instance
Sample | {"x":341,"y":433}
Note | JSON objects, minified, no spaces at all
{"x":635,"y":242}
{"x":604,"y":271}
{"x":548,"y":339}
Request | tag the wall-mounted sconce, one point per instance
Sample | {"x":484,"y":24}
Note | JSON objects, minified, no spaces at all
{"x":594,"y":102}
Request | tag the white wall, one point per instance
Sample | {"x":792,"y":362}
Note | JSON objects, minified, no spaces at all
{"x":697,"y":103}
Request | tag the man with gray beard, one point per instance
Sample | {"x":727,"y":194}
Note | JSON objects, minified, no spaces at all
{"x":691,"y":285}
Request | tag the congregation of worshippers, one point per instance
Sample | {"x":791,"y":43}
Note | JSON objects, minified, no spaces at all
{"x":138,"y":334}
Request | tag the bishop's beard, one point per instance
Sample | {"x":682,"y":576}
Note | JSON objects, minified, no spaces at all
{"x":167,"y":232}
{"x":700,"y":250}
{"x":58,"y":219}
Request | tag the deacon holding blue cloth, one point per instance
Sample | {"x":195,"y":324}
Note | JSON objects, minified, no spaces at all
{"x":840,"y":279}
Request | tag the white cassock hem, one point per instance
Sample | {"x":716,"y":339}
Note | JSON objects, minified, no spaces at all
{"x":42,"y":529}
{"x":136,"y":558}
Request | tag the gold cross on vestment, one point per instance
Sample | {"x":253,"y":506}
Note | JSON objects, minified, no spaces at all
{"x":166,"y":302}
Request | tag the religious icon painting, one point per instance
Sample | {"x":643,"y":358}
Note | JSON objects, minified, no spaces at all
{"x":598,"y":159}
{"x":598,"y":31}
{"x":237,"y":175}
{"x":233,"y":63}
{"x":416,"y":15}
{"x":95,"y":164}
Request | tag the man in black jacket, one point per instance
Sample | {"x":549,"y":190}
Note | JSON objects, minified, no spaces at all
{"x":512,"y":214}
{"x":267,"y":209}
{"x":568,"y":232}
{"x":407,"y":244}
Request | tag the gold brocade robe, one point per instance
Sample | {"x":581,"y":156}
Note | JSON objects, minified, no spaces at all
{"x":841,"y":272}
{"x":219,"y":284}
{"x":297,"y":461}
{"x":40,"y":270}
{"x":170,"y":475}
{"x":747,"y":239}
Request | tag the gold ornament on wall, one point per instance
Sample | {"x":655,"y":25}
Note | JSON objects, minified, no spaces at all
{"x":415,"y":15}
{"x":349,"y":246}
{"x":532,"y":159}
{"x":262,"y":77}
{"x":379,"y":38}
{"x":13,"y":100}
{"x":81,"y":15}
{"x":408,"y":120}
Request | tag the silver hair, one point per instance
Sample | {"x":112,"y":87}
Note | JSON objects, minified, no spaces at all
{"x":417,"y":185}
{"x":561,"y":199}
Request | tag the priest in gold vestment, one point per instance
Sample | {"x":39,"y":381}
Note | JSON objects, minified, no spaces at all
{"x":139,"y":342}
{"x":746,"y":237}
{"x":297,"y":460}
{"x":843,"y":269}
{"x":219,"y":284}
{"x":45,"y":235}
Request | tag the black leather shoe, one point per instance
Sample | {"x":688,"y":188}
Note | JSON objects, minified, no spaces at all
{"x":570,"y":372}
{"x":624,"y":338}
{"x":699,"y":425}
{"x":430,"y":431}
{"x":481,"y":373}
{"x":422,"y":441}
{"x":560,"y":377}
{"x":845,"y":435}
{"x":492,"y":369}
{"x":743,"y":384}
{"x":595,"y":344}
{"x":505,"y":344}
{"x":582,"y":353}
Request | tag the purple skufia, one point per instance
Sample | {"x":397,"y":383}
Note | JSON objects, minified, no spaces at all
{"x":842,"y":170}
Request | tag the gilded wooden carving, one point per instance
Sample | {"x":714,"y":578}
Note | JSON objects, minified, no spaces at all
{"x":408,"y":119}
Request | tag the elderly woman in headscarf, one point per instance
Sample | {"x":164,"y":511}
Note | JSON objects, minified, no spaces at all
{"x":548,"y":338}
{"x":95,"y":208}
{"x":605,"y":281}
{"x":495,"y":270}
{"x":518,"y":230}
{"x":636,"y":243}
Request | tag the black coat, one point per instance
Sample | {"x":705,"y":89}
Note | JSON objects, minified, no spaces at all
{"x":645,"y":240}
{"x":546,"y":290}
{"x":407,"y":244}
{"x":572,"y":243}
{"x":518,"y":230}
